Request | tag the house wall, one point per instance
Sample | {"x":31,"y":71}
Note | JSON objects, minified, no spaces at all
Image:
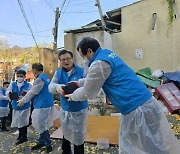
{"x":48,"y":59}
{"x":160,"y":47}
{"x":71,"y":41}
{"x":157,"y":49}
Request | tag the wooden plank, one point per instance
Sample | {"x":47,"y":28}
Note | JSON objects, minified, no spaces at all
{"x":99,"y":127}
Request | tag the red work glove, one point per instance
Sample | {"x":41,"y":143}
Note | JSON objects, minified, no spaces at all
{"x":75,"y":83}
{"x":23,"y":93}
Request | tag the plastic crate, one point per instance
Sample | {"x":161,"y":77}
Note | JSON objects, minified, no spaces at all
{"x":170,"y":96}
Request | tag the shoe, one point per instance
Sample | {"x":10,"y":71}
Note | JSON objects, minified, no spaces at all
{"x":16,"y":132}
{"x":48,"y":149}
{"x":38,"y":146}
{"x":21,"y":140}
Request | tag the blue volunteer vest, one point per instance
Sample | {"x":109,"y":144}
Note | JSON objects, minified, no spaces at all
{"x":44,"y":99}
{"x":71,"y":106}
{"x":123,"y":88}
{"x":3,"y":103}
{"x":25,"y":87}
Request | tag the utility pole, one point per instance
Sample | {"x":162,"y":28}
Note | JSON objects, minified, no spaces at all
{"x":55,"y":30}
{"x":101,"y":14}
{"x":55,"y":34}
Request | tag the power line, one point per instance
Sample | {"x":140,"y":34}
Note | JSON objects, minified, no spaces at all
{"x":81,"y":3}
{"x":48,"y":5}
{"x":27,"y":22}
{"x":33,"y":17}
{"x":63,"y":3}
{"x":90,"y":8}
{"x":64,"y":9}
{"x":18,"y":33}
{"x":81,"y":12}
{"x":49,"y":29}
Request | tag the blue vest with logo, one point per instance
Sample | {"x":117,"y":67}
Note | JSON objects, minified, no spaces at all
{"x":72,"y":106}
{"x":123,"y":88}
{"x":25,"y":87}
{"x":44,"y":99}
{"x":3,"y":103}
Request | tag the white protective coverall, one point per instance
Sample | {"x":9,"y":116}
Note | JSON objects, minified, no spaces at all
{"x":145,"y":130}
{"x":73,"y":123}
{"x":43,"y":116}
{"x":4,"y":111}
{"x":20,"y":118}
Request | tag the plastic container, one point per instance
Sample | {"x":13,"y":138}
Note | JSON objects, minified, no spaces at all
{"x":103,"y":143}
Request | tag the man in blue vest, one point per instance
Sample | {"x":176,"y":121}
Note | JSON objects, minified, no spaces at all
{"x":43,"y":106}
{"x":20,"y":115}
{"x":4,"y":108}
{"x":73,"y":115}
{"x":144,"y":127}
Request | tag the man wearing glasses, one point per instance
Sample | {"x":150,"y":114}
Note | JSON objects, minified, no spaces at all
{"x":73,"y":114}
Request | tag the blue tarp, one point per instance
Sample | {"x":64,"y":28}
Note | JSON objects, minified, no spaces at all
{"x":173,"y":76}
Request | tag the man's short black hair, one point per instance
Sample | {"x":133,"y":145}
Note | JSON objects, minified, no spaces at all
{"x":88,"y":42}
{"x":37,"y":66}
{"x":64,"y":51}
{"x":21,"y":72}
{"x":6,"y":82}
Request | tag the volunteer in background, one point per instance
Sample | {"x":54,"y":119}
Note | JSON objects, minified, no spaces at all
{"x":20,"y":115}
{"x":4,"y":107}
{"x":43,"y":106}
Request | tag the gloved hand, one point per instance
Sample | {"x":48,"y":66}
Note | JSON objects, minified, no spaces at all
{"x":5,"y":98}
{"x":59,"y":88}
{"x":75,"y":83}
{"x":69,"y":97}
{"x":20,"y":97}
{"x":20,"y":102}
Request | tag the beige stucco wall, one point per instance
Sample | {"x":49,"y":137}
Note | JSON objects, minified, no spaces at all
{"x":47,"y":58}
{"x":160,"y":47}
{"x":71,"y":41}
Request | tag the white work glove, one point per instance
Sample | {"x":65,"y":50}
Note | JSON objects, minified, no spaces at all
{"x":5,"y":98}
{"x":20,"y":102}
{"x":59,"y":88}
{"x":20,"y":97}
{"x":69,"y":97}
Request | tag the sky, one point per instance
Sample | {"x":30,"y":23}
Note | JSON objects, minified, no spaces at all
{"x":41,"y":17}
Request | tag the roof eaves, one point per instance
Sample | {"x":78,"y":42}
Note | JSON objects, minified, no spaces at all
{"x":84,"y":29}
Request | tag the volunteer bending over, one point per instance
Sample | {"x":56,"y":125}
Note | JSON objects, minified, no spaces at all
{"x":144,"y":127}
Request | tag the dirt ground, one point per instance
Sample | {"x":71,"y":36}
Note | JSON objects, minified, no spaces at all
{"x":8,"y":140}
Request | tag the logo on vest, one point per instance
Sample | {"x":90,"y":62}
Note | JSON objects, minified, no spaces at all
{"x":112,"y":55}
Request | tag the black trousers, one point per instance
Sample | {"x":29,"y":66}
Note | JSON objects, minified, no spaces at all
{"x":44,"y":138}
{"x":10,"y":112}
{"x":3,"y":122}
{"x":79,"y":149}
{"x":23,"y":132}
{"x":66,"y":147}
